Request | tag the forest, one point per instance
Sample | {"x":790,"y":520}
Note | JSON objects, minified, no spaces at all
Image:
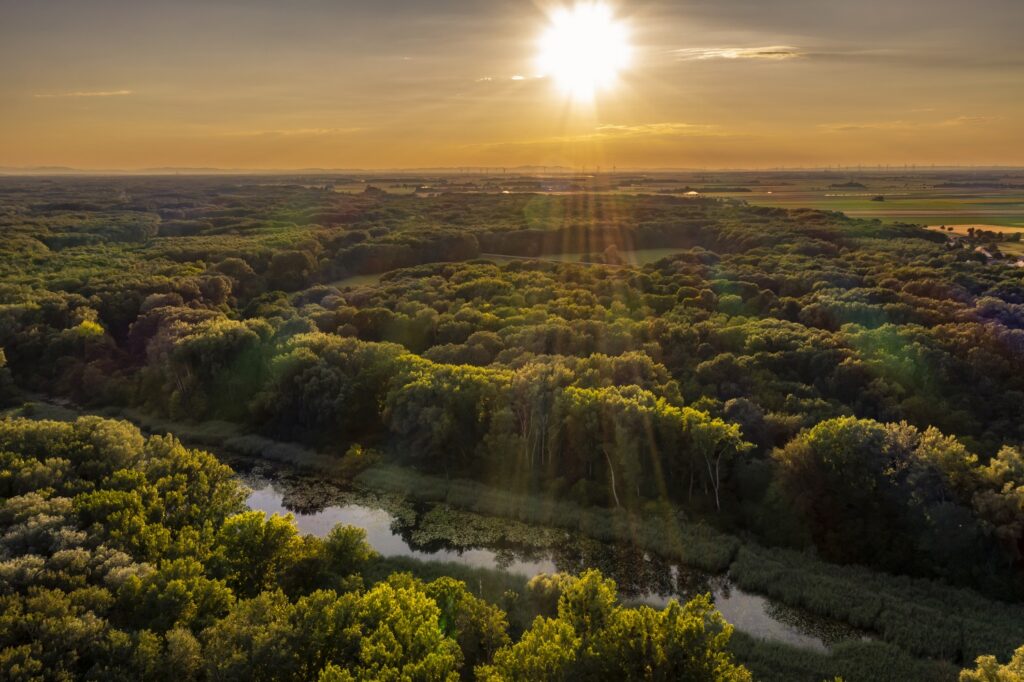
{"x":131,"y":558}
{"x":844,"y":398}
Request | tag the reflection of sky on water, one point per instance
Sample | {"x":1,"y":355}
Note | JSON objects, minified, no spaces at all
{"x":752,"y":613}
{"x":749,"y":613}
{"x":382,"y":538}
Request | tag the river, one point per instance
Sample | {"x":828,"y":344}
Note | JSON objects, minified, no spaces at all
{"x":642,"y":579}
{"x":749,"y":613}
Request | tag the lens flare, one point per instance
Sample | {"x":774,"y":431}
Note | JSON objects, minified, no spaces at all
{"x":584,"y":49}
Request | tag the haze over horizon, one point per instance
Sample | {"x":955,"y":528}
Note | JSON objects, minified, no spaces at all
{"x":261,"y":85}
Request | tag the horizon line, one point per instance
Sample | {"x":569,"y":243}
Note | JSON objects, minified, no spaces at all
{"x":16,"y":171}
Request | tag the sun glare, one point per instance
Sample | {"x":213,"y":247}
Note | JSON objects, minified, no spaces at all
{"x":584,"y":49}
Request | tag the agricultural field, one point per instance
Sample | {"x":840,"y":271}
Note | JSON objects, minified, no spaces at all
{"x":933,"y":197}
{"x":925,"y":197}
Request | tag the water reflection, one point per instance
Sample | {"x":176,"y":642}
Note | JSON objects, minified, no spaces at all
{"x":643,"y":578}
{"x":382,"y":534}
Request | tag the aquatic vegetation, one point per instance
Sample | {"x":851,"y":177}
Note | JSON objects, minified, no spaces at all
{"x":464,"y":529}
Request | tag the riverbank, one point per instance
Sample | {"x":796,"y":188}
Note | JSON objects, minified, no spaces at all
{"x":442,"y":534}
{"x":923,"y":617}
{"x":950,"y":624}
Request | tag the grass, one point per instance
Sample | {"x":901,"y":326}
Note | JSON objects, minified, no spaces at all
{"x":293,"y":455}
{"x":1012,"y":248}
{"x":963,"y":227}
{"x":934,"y":209}
{"x":42,"y":410}
{"x":207,"y":433}
{"x":922,"y":617}
{"x":856,"y":661}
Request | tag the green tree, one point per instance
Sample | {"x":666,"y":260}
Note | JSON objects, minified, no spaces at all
{"x":594,"y":637}
{"x":479,"y":628}
{"x":254,"y":551}
{"x":988,"y":669}
{"x":253,"y":642}
{"x":545,"y":653}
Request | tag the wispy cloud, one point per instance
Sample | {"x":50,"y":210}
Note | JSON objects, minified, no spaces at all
{"x":906,"y":126}
{"x":770,"y":52}
{"x":295,"y":132}
{"x":655,"y":129}
{"x":869,"y":125}
{"x":611,"y":133}
{"x":518,"y":77}
{"x":833,"y":53}
{"x":908,"y":57}
{"x":967,"y":121}
{"x":85,"y":93}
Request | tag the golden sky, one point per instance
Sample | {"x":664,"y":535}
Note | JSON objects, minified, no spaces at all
{"x":287,"y":84}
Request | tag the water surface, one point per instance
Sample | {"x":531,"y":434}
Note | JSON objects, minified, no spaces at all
{"x":749,"y":613}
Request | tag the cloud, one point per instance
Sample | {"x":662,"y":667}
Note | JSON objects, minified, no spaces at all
{"x":295,"y":132}
{"x":518,"y":78}
{"x":86,"y":93}
{"x":848,"y":54}
{"x":967,"y":121}
{"x":906,"y":126}
{"x":944,"y":57}
{"x":614,"y":133}
{"x":871,"y":125}
{"x":770,"y":52}
{"x":656,"y":129}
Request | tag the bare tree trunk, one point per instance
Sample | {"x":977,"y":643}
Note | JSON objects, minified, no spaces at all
{"x":525,"y":431}
{"x":542,"y":442}
{"x":611,"y":472}
{"x":713,"y":475}
{"x":718,"y":481}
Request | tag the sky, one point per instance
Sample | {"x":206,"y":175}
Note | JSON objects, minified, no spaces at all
{"x":289,"y":84}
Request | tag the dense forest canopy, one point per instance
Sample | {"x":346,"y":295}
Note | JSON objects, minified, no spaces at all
{"x":809,"y":380}
{"x":125,"y":558}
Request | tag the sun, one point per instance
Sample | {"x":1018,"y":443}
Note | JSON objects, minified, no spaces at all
{"x":584,"y":49}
